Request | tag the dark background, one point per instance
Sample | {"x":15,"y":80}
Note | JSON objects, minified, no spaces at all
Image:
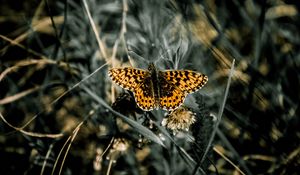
{"x":46,"y":48}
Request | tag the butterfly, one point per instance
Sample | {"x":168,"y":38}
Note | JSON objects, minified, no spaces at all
{"x":155,"y":89}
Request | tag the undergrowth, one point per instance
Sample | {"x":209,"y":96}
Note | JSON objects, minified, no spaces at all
{"x":61,"y":113}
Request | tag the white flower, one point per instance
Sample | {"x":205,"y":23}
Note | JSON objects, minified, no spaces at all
{"x":179,"y":119}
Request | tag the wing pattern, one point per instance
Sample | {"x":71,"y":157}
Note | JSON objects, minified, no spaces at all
{"x":186,"y":80}
{"x":172,"y":86}
{"x":128,"y":78}
{"x":171,"y":97}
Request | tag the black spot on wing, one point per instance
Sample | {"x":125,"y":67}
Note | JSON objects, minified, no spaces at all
{"x":171,"y":97}
{"x":144,"y":96}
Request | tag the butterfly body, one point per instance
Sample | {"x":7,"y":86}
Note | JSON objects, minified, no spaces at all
{"x":158,"y":89}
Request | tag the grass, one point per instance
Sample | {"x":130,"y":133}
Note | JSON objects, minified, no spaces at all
{"x":61,"y":114}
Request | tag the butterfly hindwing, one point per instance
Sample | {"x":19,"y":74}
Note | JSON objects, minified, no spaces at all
{"x":186,"y":80}
{"x":170,"y":96}
{"x":144,"y":95}
{"x":128,"y":78}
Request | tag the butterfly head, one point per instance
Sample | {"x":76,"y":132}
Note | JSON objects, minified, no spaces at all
{"x":151,"y":68}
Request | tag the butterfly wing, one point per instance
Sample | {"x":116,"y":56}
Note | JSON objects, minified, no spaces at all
{"x":144,"y":95}
{"x":128,"y":78}
{"x":139,"y":82}
{"x":170,"y":96}
{"x":186,"y":80}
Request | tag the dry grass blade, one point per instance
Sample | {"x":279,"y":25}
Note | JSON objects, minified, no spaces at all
{"x":42,"y":25}
{"x":46,"y":158}
{"x":59,"y":154}
{"x":229,"y":146}
{"x":24,"y":63}
{"x":116,"y":44}
{"x":100,"y":43}
{"x":68,"y":143}
{"x":229,"y":161}
{"x":18,"y":96}
{"x":32,"y":134}
{"x":65,"y":93}
{"x":69,"y":146}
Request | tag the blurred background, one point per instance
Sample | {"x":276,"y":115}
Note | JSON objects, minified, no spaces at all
{"x":61,"y":114}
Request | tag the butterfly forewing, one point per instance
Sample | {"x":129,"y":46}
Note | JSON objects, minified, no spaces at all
{"x":128,"y":78}
{"x":139,"y":82}
{"x":186,"y":80}
{"x":171,"y":97}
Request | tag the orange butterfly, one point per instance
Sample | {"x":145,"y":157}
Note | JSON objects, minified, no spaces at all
{"x":153,"y":88}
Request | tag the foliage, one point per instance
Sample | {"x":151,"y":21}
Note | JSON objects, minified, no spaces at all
{"x":60,"y":113}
